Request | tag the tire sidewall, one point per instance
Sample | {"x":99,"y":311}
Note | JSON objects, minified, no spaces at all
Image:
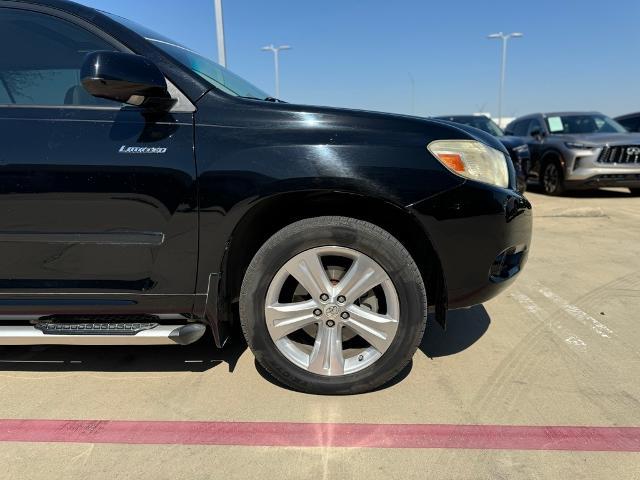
{"x":559,"y":186}
{"x":395,"y":261}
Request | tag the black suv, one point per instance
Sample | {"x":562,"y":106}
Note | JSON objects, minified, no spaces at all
{"x":630,"y":121}
{"x":517,"y":147}
{"x":147,"y":194}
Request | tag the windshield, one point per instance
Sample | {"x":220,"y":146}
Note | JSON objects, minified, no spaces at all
{"x":577,"y":124}
{"x":480,"y":122}
{"x":207,"y":69}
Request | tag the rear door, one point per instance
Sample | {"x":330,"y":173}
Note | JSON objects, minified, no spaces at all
{"x":89,"y":222}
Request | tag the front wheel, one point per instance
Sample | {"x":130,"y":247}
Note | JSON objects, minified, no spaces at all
{"x":333,"y":305}
{"x":553,"y":179}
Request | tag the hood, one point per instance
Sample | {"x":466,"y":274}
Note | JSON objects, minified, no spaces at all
{"x":602,"y":139}
{"x":512,"y":142}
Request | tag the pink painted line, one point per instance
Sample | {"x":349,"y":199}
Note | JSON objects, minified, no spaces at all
{"x":502,"y":437}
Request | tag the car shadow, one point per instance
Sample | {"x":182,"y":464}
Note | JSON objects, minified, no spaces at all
{"x":464,"y":328}
{"x":198,"y":357}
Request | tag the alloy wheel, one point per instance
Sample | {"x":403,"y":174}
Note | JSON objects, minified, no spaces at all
{"x":551,"y":178}
{"x":338,"y":325}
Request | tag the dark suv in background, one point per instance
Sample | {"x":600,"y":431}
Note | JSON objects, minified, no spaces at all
{"x":517,"y":147}
{"x":631,"y":121}
{"x":579,"y":150}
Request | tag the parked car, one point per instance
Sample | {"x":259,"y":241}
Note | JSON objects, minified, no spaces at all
{"x":630,"y":121}
{"x":147,"y":193}
{"x":579,"y":150}
{"x":517,"y":147}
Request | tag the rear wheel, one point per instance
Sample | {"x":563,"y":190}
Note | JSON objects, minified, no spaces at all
{"x":333,"y":305}
{"x":635,"y":192}
{"x":553,"y":178}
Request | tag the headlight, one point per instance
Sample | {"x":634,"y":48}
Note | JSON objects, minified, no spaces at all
{"x":473,"y":160}
{"x":579,"y":146}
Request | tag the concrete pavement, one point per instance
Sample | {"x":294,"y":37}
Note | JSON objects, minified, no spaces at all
{"x":561,"y":347}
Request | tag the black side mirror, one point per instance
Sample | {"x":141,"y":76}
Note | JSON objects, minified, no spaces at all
{"x":126,"y":78}
{"x":537,"y":134}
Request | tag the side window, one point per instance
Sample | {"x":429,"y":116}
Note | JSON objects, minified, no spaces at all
{"x":630,"y":123}
{"x":533,"y":126}
{"x":520,"y":128}
{"x":40,"y":60}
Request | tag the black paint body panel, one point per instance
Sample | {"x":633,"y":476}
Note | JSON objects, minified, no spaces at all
{"x":84,"y":227}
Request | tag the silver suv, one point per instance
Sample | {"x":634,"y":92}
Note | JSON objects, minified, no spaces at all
{"x":572,"y":150}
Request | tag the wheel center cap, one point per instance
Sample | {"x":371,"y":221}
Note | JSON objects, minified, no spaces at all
{"x":332,"y":311}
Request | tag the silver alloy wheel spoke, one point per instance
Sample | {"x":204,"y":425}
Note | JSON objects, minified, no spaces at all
{"x":323,"y":319}
{"x":308,"y":270}
{"x":362,"y":276}
{"x":326,"y":357}
{"x":376,"y":329}
{"x":286,"y":318}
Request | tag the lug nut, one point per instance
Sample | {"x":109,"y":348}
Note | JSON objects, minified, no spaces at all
{"x":342,"y":299}
{"x":345,"y":315}
{"x":317,"y":312}
{"x":324,"y":297}
{"x":331,"y":323}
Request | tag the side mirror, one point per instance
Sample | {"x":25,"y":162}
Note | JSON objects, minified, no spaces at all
{"x":126,"y":78}
{"x":537,"y":134}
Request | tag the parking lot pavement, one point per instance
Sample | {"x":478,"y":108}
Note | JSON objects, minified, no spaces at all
{"x":560,"y":348}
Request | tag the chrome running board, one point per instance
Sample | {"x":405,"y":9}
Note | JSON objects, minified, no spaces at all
{"x":156,"y":335}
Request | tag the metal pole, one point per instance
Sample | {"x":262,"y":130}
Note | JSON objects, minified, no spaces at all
{"x":276,"y":58}
{"x":503,"y":69}
{"x":276,"y":61}
{"x":222,"y":52}
{"x":502,"y":75}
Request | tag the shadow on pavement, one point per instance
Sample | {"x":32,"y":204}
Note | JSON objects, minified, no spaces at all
{"x":397,"y":379}
{"x":199,"y":357}
{"x":464,"y":328}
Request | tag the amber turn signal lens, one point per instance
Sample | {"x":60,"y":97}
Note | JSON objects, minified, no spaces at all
{"x":453,"y":161}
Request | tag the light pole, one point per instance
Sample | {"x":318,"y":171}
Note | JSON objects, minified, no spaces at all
{"x":222,"y":51}
{"x":276,"y":59}
{"x":505,"y":39}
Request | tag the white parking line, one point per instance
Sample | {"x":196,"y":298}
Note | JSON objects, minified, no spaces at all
{"x":574,"y":311}
{"x":572,"y":340}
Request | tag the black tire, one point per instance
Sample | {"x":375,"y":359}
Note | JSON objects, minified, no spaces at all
{"x":366,"y":238}
{"x":635,"y":192}
{"x":552,"y":179}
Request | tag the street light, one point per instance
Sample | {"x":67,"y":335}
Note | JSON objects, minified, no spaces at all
{"x":505,"y":39}
{"x":276,"y":59}
{"x":222,"y":52}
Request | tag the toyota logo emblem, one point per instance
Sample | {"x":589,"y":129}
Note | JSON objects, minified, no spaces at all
{"x":633,"y":151}
{"x":332,"y":311}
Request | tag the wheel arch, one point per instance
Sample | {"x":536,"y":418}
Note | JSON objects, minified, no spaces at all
{"x":271,"y":214}
{"x":550,"y":155}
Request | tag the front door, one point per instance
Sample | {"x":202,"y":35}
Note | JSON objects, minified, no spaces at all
{"x":98,"y":205}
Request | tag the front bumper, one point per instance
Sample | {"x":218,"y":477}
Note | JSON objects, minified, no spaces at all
{"x":585,"y":171}
{"x":482,"y":235}
{"x":609,"y":179}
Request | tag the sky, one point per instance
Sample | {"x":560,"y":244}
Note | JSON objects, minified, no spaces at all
{"x":575,"y":55}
